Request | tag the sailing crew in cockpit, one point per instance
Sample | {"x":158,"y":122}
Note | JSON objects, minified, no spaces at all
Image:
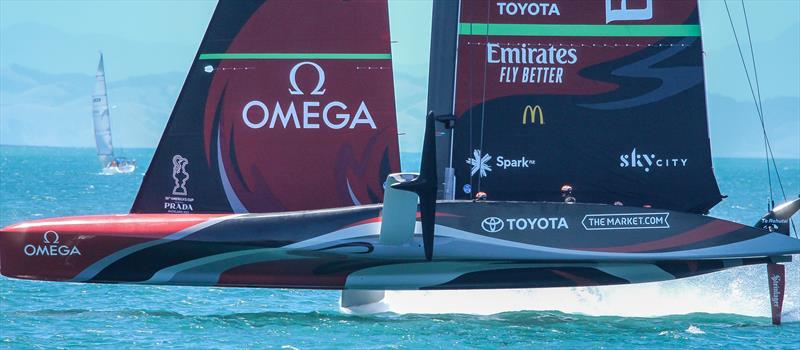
{"x":566,"y":193}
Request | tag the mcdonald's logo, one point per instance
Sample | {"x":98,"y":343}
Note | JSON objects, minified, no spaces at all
{"x":533,"y":111}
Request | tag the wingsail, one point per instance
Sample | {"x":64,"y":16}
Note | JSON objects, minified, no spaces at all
{"x":607,"y":96}
{"x":289,"y":105}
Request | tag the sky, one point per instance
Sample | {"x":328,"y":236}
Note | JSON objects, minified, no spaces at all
{"x":146,"y":37}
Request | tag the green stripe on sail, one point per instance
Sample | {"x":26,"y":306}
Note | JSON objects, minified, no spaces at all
{"x":598,"y":30}
{"x":299,"y":56}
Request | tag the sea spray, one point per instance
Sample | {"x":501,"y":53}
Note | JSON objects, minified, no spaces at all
{"x":740,"y":291}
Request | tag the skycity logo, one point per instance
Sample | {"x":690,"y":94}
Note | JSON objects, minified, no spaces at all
{"x":649,"y":161}
{"x":50,"y":247}
{"x":480,"y":163}
{"x":494,"y":224}
{"x":527,"y":8}
{"x":256,"y":114}
{"x":623,"y":13}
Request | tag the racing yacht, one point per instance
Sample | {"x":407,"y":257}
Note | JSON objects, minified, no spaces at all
{"x":102,"y":128}
{"x":279,"y":166}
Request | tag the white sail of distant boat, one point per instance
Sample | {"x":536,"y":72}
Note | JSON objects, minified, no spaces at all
{"x":102,"y":128}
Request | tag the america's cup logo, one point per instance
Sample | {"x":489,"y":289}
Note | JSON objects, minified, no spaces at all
{"x":179,"y":175}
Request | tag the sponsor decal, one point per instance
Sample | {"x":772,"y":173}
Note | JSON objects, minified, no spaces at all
{"x":530,"y":64}
{"x":179,"y":201}
{"x":648,"y":161}
{"x":480,"y":163}
{"x":495,"y":224}
{"x":775,"y":279}
{"x":256,"y":114}
{"x":623,"y":13}
{"x":521,"y":8}
{"x":492,"y":224}
{"x":533,"y":112}
{"x":51,"y":246}
{"x":179,"y":175}
{"x":630,"y":221}
{"x":467,"y":188}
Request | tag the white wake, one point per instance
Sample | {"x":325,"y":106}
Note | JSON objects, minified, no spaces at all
{"x":742,"y":291}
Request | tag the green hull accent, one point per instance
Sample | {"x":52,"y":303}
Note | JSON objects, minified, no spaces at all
{"x":294,"y":56}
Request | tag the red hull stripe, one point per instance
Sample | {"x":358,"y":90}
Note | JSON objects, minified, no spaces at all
{"x":118,"y":225}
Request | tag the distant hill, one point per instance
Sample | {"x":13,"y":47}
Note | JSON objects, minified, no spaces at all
{"x":44,"y":109}
{"x":736,"y":130}
{"x":56,"y":110}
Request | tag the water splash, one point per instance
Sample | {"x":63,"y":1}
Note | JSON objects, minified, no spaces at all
{"x":741,"y":291}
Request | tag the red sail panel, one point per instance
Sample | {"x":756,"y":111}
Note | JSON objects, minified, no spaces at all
{"x":291,"y":106}
{"x":606,"y":96}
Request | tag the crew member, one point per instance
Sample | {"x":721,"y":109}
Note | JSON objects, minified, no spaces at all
{"x":480,"y":196}
{"x":566,"y":193}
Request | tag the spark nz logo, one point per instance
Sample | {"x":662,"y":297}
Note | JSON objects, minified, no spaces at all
{"x":51,"y":246}
{"x":649,"y":161}
{"x":256,"y":113}
{"x":479,"y":163}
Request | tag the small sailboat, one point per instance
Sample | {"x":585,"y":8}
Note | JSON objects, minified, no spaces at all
{"x":102,"y":128}
{"x":279,"y":166}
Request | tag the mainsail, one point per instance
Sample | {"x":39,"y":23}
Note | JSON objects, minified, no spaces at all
{"x":289,"y":105}
{"x":100,"y":116}
{"x":607,"y":96}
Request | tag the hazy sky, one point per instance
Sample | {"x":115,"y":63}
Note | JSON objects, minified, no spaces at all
{"x":156,"y":36}
{"x":181,"y":24}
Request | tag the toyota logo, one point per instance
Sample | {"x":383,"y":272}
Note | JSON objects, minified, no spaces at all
{"x":492,"y":224}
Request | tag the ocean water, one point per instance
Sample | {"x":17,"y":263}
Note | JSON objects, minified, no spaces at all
{"x":728,"y":309}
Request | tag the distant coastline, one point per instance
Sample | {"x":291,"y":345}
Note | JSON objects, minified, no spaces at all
{"x":404,"y":155}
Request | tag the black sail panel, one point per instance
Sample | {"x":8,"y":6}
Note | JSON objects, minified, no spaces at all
{"x":609,"y":99}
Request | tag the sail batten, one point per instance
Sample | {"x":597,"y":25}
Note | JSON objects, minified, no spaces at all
{"x":606,"y":96}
